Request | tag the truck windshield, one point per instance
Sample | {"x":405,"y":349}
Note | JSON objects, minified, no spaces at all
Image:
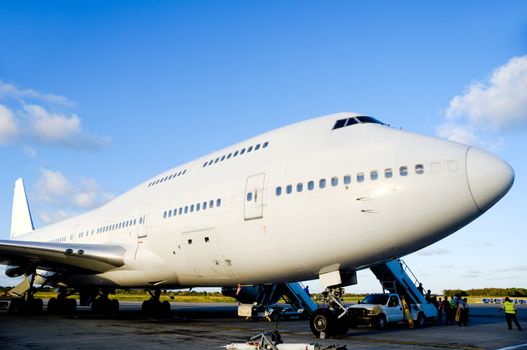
{"x":375,"y":299}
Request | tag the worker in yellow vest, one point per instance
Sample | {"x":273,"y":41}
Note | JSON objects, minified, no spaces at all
{"x":510,"y":313}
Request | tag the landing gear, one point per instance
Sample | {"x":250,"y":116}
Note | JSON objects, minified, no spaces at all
{"x":27,"y":303}
{"x":62,"y":304}
{"x":155,"y":307}
{"x":332,"y":320}
{"x":104,"y":305}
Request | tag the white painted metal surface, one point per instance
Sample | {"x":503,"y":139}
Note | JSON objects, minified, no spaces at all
{"x":387,"y":193}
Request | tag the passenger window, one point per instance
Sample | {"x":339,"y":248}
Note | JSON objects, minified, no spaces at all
{"x":186,"y":209}
{"x":289,"y":189}
{"x":419,"y":169}
{"x":242,"y":151}
{"x":170,"y":213}
{"x":374,"y":175}
{"x":249,"y":149}
{"x":235,"y":154}
{"x":180,"y":210}
{"x":211,"y":204}
{"x":210,"y":162}
{"x":299,"y":187}
{"x":218,"y":202}
{"x":135,"y":221}
{"x":360,"y":177}
{"x":198,"y":206}
{"x":204,"y":205}
{"x":229,"y":155}
{"x":311,"y":185}
{"x":265,"y":144}
{"x":249,"y":196}
{"x":347,"y":179}
{"x":192,"y":208}
{"x":388,"y":173}
{"x":334,"y":181}
{"x":403,"y":171}
{"x":322,"y":183}
{"x":257,"y":147}
{"x":278,"y":191}
{"x":184,"y":172}
{"x":222,"y":158}
{"x":216,"y":160}
{"x":178,"y":174}
{"x":175,"y":212}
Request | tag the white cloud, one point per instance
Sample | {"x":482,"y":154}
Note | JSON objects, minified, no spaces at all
{"x":11,"y":91}
{"x":487,"y":108}
{"x":59,"y":198}
{"x":433,"y":251}
{"x":52,"y":126}
{"x":39,"y":118}
{"x":8,"y":127}
{"x":51,"y":186}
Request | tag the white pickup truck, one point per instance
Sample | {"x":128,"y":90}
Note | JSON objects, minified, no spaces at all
{"x":381,"y":309}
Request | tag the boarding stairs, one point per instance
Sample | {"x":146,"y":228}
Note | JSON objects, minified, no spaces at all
{"x":297,"y":300}
{"x":396,"y":277}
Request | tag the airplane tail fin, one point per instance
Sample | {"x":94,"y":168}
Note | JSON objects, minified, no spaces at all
{"x":21,"y":221}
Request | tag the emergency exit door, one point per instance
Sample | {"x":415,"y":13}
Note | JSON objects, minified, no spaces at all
{"x":254,"y":197}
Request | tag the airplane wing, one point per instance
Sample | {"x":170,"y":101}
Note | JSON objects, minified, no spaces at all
{"x":81,"y":258}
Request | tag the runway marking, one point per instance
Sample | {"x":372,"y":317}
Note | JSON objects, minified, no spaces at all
{"x":514,"y":347}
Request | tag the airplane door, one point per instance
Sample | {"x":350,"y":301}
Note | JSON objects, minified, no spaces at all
{"x":142,"y":224}
{"x":203,"y":253}
{"x":253,"y":199}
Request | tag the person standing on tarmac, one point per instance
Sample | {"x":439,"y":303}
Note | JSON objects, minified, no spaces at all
{"x":439,"y":310}
{"x":448,"y":311}
{"x":510,"y":313}
{"x":466,"y":311}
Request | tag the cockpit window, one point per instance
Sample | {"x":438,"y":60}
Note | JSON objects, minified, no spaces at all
{"x":356,"y":120}
{"x":365,"y":119}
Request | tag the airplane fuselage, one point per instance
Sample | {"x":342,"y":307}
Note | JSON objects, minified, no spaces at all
{"x":301,"y":200}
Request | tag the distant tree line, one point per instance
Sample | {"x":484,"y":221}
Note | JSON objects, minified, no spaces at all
{"x":487,"y":292}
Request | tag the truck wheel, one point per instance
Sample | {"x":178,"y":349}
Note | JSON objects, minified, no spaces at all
{"x":381,"y":322}
{"x":420,"y":321}
{"x":323,"y":320}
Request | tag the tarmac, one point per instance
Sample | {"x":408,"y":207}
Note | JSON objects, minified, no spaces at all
{"x":211,"y":326}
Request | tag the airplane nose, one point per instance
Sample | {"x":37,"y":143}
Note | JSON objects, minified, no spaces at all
{"x":489,"y":177}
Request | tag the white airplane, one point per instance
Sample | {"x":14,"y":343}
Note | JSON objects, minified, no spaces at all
{"x":322,"y":198}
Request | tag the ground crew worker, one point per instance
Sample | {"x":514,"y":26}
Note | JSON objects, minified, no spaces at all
{"x":510,"y":313}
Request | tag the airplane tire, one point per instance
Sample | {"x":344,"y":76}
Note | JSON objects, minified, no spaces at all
{"x":70,"y":305}
{"x":323,"y":320}
{"x":52,"y":306}
{"x":15,"y":307}
{"x":114,"y":306}
{"x":274,"y":316}
{"x":342,"y":325}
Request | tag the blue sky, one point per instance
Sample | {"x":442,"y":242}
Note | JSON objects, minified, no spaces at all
{"x":97,"y":96}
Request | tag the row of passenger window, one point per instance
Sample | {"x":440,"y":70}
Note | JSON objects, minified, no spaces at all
{"x":346,"y":179}
{"x":116,"y":226}
{"x":168,"y":177}
{"x":102,"y":229}
{"x":187,"y":209}
{"x":236,"y":153}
